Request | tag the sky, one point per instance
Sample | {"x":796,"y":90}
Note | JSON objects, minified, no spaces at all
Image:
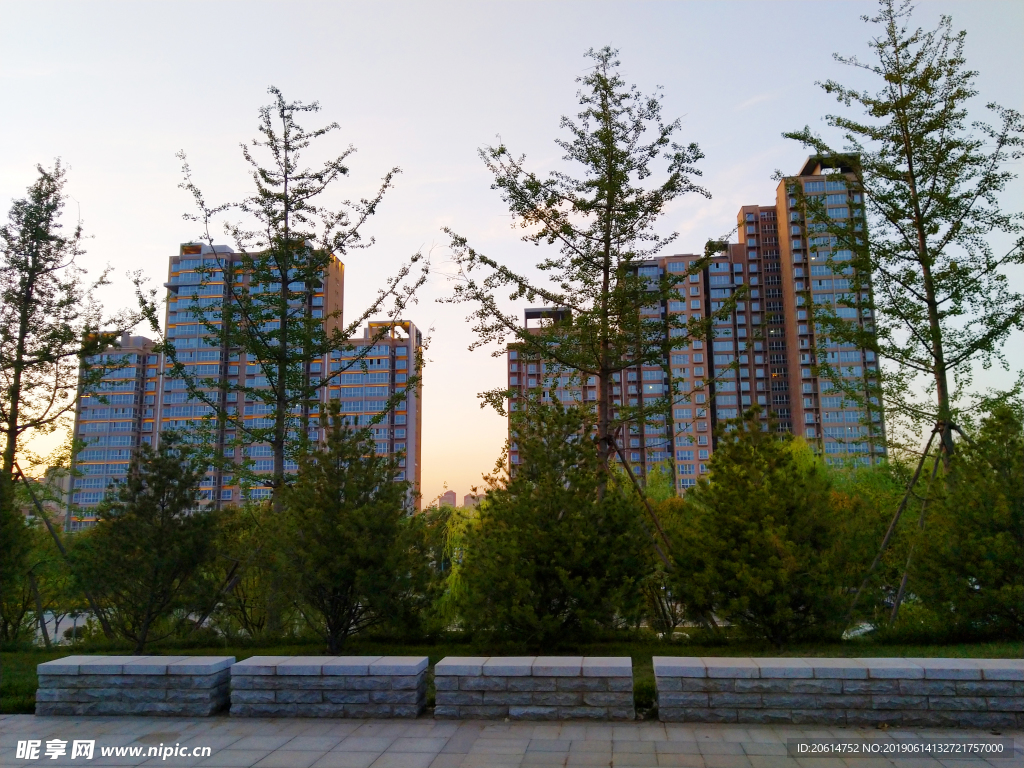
{"x":116,"y":89}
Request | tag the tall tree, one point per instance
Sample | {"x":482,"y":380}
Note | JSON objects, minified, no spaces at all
{"x":603,"y":222}
{"x":146,"y":554}
{"x":50,"y":318}
{"x":937,"y":243}
{"x":344,"y":540}
{"x":260,"y":305}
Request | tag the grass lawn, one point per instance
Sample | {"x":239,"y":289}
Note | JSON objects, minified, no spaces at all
{"x":17,"y":692}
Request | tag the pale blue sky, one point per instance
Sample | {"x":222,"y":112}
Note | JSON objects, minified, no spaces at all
{"x":116,"y":89}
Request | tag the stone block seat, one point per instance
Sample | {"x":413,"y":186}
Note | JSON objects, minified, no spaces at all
{"x":961,"y":693}
{"x":134,"y":685}
{"x":329,"y":686}
{"x":534,"y":687}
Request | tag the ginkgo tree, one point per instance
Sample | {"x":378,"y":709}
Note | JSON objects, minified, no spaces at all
{"x":601,"y":216}
{"x":259,"y":301}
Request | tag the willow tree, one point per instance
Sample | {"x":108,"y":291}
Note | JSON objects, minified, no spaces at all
{"x":937,"y":243}
{"x":601,"y":214}
{"x":258,"y":302}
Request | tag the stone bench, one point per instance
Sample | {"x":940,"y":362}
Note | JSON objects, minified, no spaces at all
{"x":329,"y":686}
{"x":534,"y":687}
{"x":963,"y":693}
{"x":133,"y":685}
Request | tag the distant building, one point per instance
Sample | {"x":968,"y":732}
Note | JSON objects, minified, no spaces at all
{"x":111,"y":421}
{"x":472,"y":499}
{"x":52,"y":494}
{"x":363,"y":395}
{"x":763,"y":354}
{"x":141,"y":398}
{"x":447,"y":499}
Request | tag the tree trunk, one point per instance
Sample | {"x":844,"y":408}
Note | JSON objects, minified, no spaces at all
{"x":14,"y":391}
{"x":40,"y":617}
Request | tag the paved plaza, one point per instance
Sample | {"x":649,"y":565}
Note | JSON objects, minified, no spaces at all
{"x":425,"y":743}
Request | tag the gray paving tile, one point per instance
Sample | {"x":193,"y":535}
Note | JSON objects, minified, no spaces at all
{"x":721,"y":748}
{"x":364,"y":743}
{"x":632,"y":747}
{"x":267,"y":743}
{"x":765,"y":748}
{"x":726,"y":761}
{"x":404,"y":760}
{"x":307,"y":742}
{"x":418,"y":744}
{"x":545,"y":758}
{"x":500,"y":746}
{"x":771,"y":761}
{"x":382,"y":728}
{"x":820,"y":762}
{"x":680,"y":760}
{"x":591,"y":745}
{"x":485,"y":761}
{"x":290,"y":758}
{"x":346,"y":760}
{"x":635,"y":759}
{"x":235,"y":758}
{"x":588,"y":758}
{"x":549,"y":745}
{"x":677,"y":747}
{"x":449,"y":760}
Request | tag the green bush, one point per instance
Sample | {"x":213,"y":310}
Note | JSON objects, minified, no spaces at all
{"x":759,"y":543}
{"x":557,"y":553}
{"x":145,"y":558}
{"x":346,"y":549}
{"x":971,"y":572}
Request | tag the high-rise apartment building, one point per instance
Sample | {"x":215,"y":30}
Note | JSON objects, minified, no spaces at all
{"x":447,"y":499}
{"x":111,"y":420}
{"x":144,"y":398}
{"x":766,"y":351}
{"x":196,"y":279}
{"x":363,"y":394}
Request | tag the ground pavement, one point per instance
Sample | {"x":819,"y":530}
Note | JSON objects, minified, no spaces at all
{"x":425,"y":743}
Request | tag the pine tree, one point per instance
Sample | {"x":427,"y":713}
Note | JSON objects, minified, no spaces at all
{"x":144,"y":558}
{"x":344,"y":538}
{"x":761,"y":540}
{"x":555,"y":556}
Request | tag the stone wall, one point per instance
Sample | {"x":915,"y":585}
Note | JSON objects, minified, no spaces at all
{"x":534,"y":688}
{"x":965,"y":693}
{"x":133,"y":685}
{"x":329,"y":686}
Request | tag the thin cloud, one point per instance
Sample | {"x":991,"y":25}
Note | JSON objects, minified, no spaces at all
{"x":759,"y":99}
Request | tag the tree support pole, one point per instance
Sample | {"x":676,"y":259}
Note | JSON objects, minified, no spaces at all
{"x":892,"y":526}
{"x":910,"y":555}
{"x":40,"y":618}
{"x":647,"y":505}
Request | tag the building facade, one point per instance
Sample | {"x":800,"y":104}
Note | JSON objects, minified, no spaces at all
{"x":112,"y":419}
{"x":363,"y":395}
{"x":765,"y":353}
{"x":143,"y":398}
